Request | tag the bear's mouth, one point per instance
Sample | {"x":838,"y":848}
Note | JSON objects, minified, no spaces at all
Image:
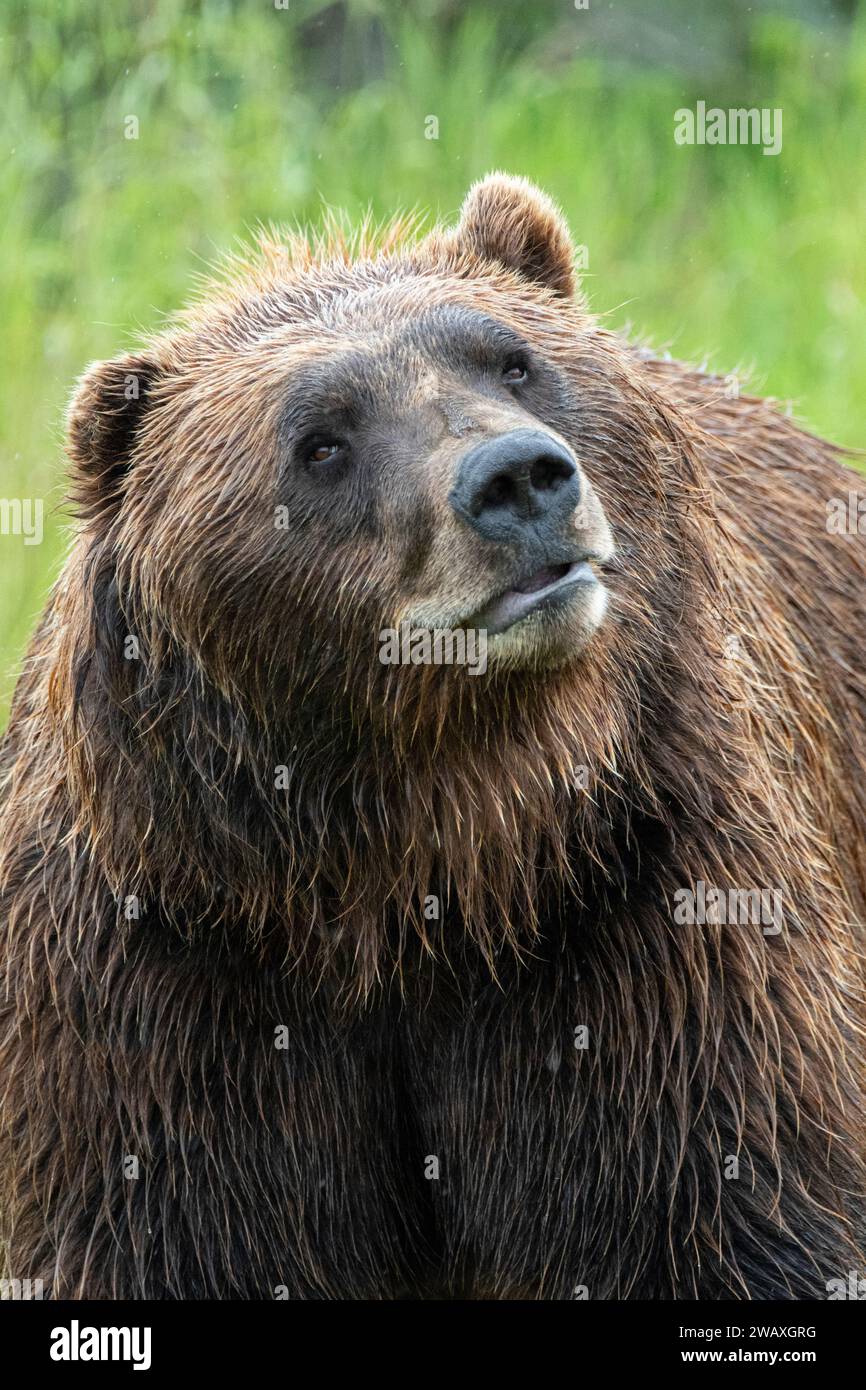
{"x":543,"y":588}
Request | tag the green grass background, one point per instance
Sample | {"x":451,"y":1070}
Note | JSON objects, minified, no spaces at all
{"x":248,"y":112}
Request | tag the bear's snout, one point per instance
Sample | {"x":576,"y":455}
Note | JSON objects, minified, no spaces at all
{"x":518,"y":485}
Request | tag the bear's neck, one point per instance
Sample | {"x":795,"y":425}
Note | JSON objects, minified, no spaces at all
{"x":492,"y":819}
{"x":486,"y":811}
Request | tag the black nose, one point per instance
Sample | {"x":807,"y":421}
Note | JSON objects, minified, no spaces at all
{"x":519,"y":480}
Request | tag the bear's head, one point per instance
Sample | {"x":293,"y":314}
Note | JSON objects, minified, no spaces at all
{"x":336,"y":447}
{"x":345,"y":446}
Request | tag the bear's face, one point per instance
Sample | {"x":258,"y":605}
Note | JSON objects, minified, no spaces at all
{"x":432,"y":439}
{"x":424,"y":447}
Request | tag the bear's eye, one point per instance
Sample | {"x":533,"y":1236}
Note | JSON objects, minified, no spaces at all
{"x":514,"y":372}
{"x":320,"y":453}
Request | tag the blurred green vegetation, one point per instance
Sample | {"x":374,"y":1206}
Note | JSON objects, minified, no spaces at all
{"x":251,"y":112}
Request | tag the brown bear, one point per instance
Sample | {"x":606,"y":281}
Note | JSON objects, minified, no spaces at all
{"x":433,"y":858}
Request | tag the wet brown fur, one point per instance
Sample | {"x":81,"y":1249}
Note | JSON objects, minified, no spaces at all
{"x":304,"y":1167}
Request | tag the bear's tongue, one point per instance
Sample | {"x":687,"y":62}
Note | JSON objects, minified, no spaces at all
{"x":540,"y":579}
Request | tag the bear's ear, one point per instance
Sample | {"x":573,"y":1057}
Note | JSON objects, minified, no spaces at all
{"x":509,"y":220}
{"x":106,"y":410}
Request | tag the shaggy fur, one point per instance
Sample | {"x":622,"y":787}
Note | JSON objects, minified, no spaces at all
{"x":148,"y":785}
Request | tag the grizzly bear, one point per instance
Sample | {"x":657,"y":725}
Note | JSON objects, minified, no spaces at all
{"x":334,"y":970}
